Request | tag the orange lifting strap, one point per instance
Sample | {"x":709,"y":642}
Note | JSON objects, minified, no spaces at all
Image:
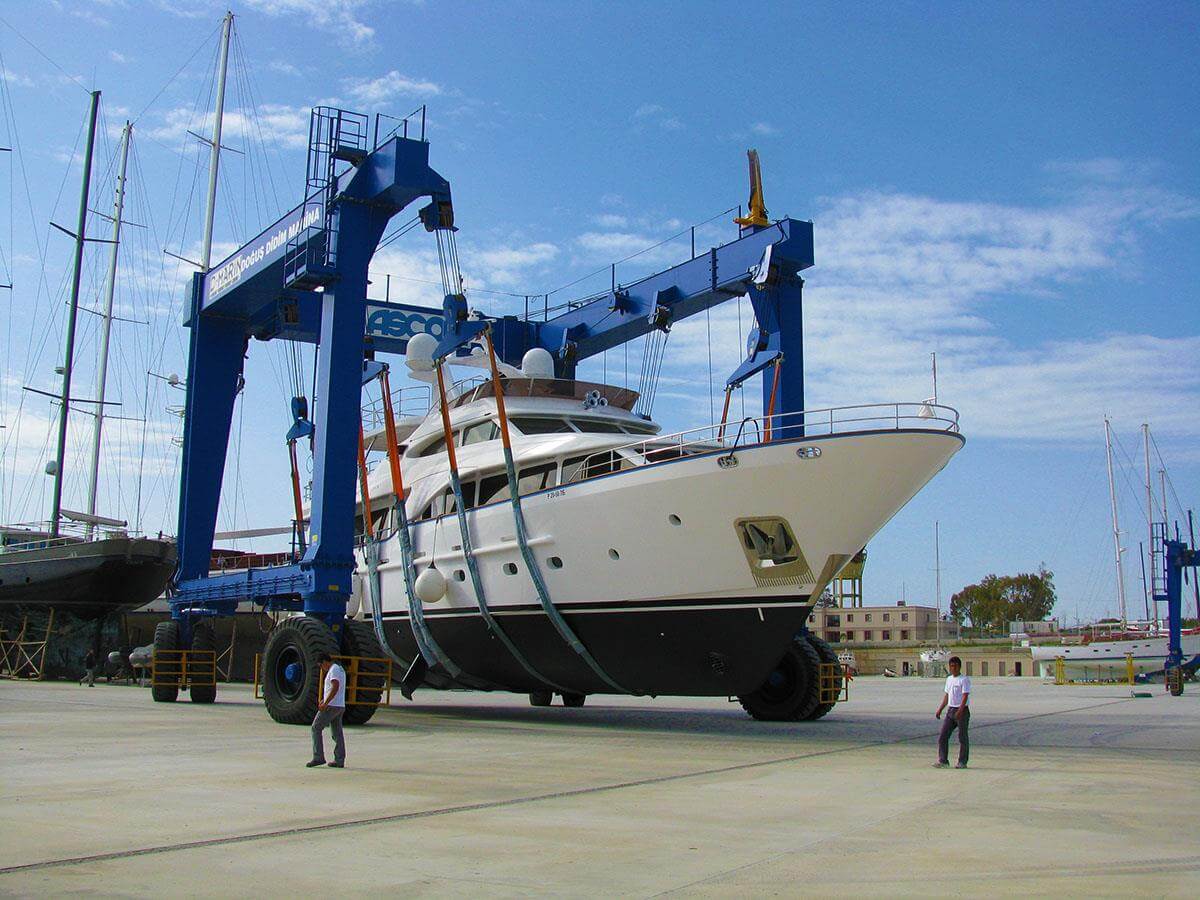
{"x":499,"y":392}
{"x":297,"y":499}
{"x":724,"y":413}
{"x":389,"y":427}
{"x":362,"y":478}
{"x":450,"y":454}
{"x":771,"y":406}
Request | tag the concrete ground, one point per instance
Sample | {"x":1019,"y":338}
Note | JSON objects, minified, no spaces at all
{"x":1071,"y":790}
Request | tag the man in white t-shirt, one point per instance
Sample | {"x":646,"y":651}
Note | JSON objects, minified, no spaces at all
{"x":958,"y":715}
{"x":331,"y":706}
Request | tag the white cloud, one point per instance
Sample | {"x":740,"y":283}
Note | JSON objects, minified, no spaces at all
{"x":283,"y":67}
{"x":119,"y":58}
{"x":898,"y":276}
{"x":764,"y":128}
{"x":376,"y":91}
{"x":285,"y":125}
{"x":610,"y":220}
{"x":16,"y":78}
{"x":646,"y":110}
{"x":342,"y":16}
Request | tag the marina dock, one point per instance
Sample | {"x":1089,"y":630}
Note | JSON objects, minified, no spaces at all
{"x":1071,"y":791}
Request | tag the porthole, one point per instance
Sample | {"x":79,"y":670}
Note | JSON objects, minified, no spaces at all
{"x":460,"y":575}
{"x":613,"y":554}
{"x":554,"y":562}
{"x":674,"y":519}
{"x":510,"y":568}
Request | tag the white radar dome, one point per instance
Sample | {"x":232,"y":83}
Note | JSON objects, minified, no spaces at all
{"x":420,"y":352}
{"x":430,"y":586}
{"x":537,"y":363}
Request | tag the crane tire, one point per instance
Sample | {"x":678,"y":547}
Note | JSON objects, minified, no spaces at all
{"x":291,"y":676}
{"x":204,"y":637}
{"x":791,"y":693}
{"x":358,"y":639}
{"x":166,"y":637}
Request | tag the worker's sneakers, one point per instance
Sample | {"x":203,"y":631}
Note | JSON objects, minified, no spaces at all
{"x":337,"y":765}
{"x":314,"y":762}
{"x":961,"y":766}
{"x":941,"y":765}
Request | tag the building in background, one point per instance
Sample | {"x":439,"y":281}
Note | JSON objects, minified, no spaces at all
{"x":899,"y":624}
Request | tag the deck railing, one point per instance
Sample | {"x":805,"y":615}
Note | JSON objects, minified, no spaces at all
{"x":754,"y":430}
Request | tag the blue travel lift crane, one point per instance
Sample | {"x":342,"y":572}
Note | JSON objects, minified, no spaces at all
{"x":304,"y":278}
{"x":1177,"y":555}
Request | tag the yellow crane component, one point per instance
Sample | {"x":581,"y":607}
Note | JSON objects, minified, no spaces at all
{"x":757,"y":215}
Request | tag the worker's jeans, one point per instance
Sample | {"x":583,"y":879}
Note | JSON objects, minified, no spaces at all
{"x":949,"y":723}
{"x":331,"y":716}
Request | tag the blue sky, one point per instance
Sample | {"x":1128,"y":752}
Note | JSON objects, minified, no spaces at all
{"x":1014,"y":187}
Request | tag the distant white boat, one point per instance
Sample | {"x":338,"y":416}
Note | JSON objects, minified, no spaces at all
{"x":1107,"y":658}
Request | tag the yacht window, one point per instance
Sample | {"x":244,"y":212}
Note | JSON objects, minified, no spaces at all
{"x":637,"y":429}
{"x":468,"y":492}
{"x":493,"y":488}
{"x":593,"y":426}
{"x":605,"y":464}
{"x":571,"y":469}
{"x":479,"y":433}
{"x":437,"y":446}
{"x":537,"y":479}
{"x":531,"y":426}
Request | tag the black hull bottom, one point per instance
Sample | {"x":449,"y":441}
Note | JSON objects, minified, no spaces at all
{"x":90,"y":579}
{"x":685,"y":648}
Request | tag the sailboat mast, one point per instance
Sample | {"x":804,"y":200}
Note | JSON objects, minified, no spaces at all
{"x":72,"y":316}
{"x":214,"y":159}
{"x":1149,"y":583}
{"x":1116,"y":528}
{"x":106,"y":326}
{"x":937,"y":570}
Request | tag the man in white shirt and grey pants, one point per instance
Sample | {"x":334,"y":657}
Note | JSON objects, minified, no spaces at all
{"x":958,"y":689}
{"x":331,"y":706}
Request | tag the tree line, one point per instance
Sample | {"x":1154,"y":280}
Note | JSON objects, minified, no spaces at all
{"x":999,"y":599}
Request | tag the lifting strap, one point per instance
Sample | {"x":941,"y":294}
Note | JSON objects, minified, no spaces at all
{"x":535,"y":573}
{"x":768,"y":427}
{"x":430,"y":651}
{"x":468,"y":551}
{"x":297,"y":499}
{"x":724,"y":414}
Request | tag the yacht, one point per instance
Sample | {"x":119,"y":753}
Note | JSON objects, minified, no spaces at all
{"x":686,"y":563}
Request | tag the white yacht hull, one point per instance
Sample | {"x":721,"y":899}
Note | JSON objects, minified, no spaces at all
{"x":654,"y":577}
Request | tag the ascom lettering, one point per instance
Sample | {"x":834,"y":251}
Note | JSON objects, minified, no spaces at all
{"x":395,"y":323}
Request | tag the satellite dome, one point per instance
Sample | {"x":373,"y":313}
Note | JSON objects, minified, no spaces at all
{"x":420,"y":351}
{"x":537,"y":363}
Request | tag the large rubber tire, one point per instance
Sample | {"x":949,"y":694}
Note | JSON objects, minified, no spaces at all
{"x":827,"y":655}
{"x":574,"y":701}
{"x":358,"y":639}
{"x":204,"y":637}
{"x":792,"y":691}
{"x":541,"y":698}
{"x":166,"y":637}
{"x":292,"y":650}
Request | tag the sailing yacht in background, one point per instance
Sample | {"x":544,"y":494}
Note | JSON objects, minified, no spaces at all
{"x":934,"y":658}
{"x":80,"y":561}
{"x":1107,"y":655}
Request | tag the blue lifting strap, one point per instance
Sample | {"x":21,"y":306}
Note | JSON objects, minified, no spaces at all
{"x":535,"y":573}
{"x":468,"y":551}
{"x":477,"y":585}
